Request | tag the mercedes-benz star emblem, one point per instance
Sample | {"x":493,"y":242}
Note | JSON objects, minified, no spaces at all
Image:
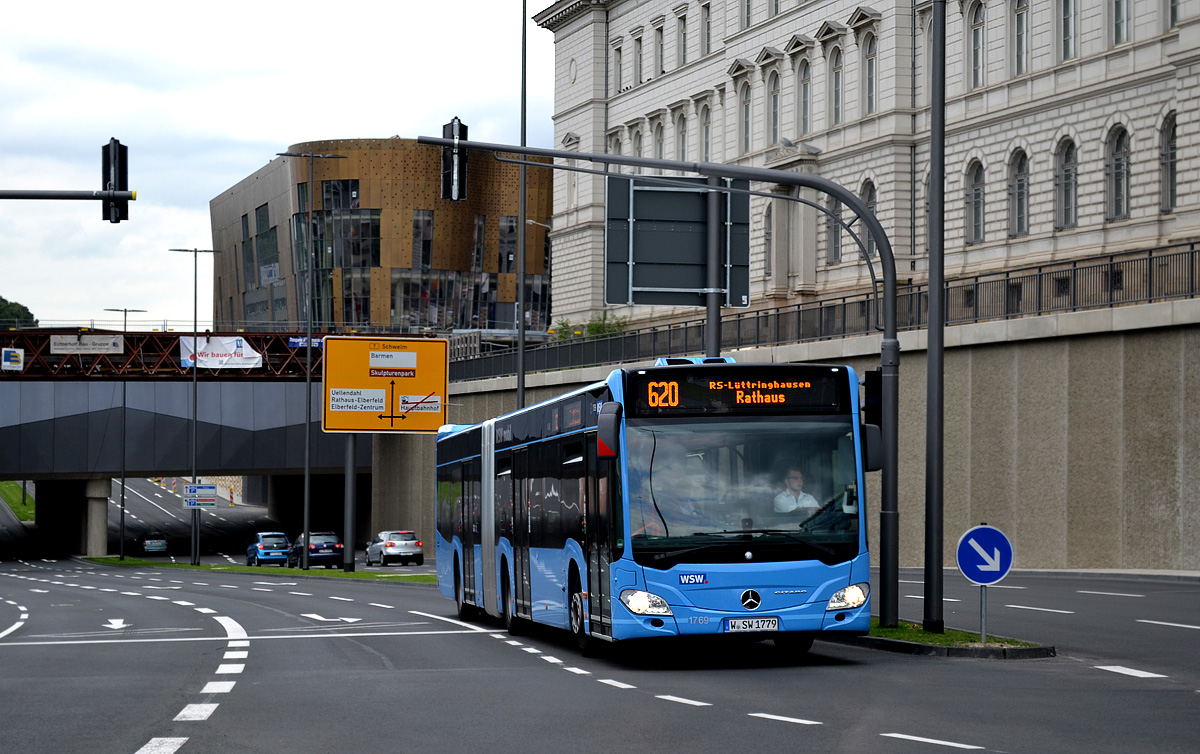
{"x":751,"y":600}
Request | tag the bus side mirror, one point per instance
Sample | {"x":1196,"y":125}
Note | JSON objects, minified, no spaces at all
{"x":872,"y":450}
{"x":608,"y":431}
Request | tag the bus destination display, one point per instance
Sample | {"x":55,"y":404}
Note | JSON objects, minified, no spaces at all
{"x":680,"y":392}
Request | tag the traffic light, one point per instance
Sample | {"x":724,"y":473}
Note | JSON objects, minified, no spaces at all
{"x":115,"y":177}
{"x":454,"y":162}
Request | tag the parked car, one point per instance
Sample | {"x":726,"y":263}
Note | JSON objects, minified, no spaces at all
{"x":324,"y":548}
{"x":268,"y":547}
{"x":153,"y":541}
{"x":402,"y":546}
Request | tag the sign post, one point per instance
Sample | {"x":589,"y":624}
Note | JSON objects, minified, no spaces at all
{"x":984,"y":557}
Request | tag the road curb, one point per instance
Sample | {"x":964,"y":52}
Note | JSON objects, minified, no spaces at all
{"x":934,"y":650}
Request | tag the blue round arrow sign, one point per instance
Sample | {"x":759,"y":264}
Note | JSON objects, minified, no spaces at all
{"x":984,"y":555}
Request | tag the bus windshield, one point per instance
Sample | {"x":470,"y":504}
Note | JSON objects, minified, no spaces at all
{"x":760,"y":488}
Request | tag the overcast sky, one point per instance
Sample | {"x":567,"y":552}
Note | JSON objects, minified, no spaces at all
{"x":205,"y":94}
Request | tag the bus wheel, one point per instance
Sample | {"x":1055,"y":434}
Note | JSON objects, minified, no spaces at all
{"x":578,"y":610}
{"x":459,"y":603}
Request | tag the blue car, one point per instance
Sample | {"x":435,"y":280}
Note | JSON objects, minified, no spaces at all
{"x":324,"y":548}
{"x":268,"y":547}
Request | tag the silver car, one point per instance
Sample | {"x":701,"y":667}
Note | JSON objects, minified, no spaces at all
{"x":389,"y":546}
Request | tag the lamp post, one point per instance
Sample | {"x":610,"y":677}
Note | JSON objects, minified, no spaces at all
{"x":312,"y":158}
{"x":124,"y":415}
{"x":195,"y":349}
{"x":521,"y":225}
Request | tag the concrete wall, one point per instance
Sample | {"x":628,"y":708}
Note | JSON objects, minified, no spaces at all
{"x":1077,"y":434}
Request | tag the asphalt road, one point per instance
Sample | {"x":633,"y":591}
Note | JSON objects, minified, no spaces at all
{"x":155,"y":660}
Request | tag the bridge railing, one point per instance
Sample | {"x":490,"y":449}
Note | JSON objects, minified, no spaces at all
{"x":1135,"y":277}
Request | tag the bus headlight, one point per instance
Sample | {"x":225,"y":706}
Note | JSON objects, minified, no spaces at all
{"x":851,"y":597}
{"x":645,"y":603}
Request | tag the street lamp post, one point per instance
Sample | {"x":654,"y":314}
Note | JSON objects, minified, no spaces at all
{"x":124,"y":426}
{"x":312,"y":258}
{"x":195,"y":349}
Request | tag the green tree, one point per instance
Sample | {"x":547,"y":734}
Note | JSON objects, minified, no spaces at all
{"x":13,"y":314}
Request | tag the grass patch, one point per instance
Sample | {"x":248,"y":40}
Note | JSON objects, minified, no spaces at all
{"x":906,"y":631}
{"x":11,"y":492}
{"x":333,"y":573}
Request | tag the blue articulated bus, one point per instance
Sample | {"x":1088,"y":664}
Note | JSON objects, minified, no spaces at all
{"x":675,"y":500}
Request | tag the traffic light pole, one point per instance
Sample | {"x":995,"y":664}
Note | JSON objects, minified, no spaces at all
{"x":115,"y":179}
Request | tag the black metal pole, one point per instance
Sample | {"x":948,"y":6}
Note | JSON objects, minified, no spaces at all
{"x":712,"y":297}
{"x":522,"y":230}
{"x":933,"y":620}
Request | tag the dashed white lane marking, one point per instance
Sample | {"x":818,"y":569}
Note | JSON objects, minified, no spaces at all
{"x":921,"y":597}
{"x":206,"y":610}
{"x":342,"y":599}
{"x":616,"y":684}
{"x":935,"y":741}
{"x":162,"y":746}
{"x":232,"y":668}
{"x":681,"y":700}
{"x":196,"y":712}
{"x":1129,"y":671}
{"x":236,"y":655}
{"x":1172,"y":625}
{"x":1109,"y":594}
{"x":233,"y":629}
{"x":301,"y":594}
{"x":532,"y":650}
{"x":577,"y":671}
{"x":218,"y":687}
{"x":783,"y":719}
{"x":376,"y":604}
{"x":552,"y":660}
{"x":1041,"y":609}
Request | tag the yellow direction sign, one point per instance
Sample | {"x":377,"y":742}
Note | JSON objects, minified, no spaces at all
{"x":384,"y":384}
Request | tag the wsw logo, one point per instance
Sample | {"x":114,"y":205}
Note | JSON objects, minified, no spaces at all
{"x":693,"y":578}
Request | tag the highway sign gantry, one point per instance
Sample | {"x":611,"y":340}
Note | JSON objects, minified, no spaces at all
{"x":384,"y":385}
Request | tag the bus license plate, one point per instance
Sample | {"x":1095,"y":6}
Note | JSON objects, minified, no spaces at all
{"x":733,"y":625}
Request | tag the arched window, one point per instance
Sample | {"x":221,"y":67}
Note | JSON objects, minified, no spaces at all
{"x":745,"y":118}
{"x":659,"y":145}
{"x":614,"y":146}
{"x":870,"y":60}
{"x":835,"y":85}
{"x":706,"y":135}
{"x":974,"y":200}
{"x":978,"y":45}
{"x":1018,"y":194}
{"x":637,"y":148}
{"x":1066,"y":186}
{"x":1020,"y":37}
{"x":1116,"y":174}
{"x":804,"y":93}
{"x":773,"y":108}
{"x":681,"y":138}
{"x":1167,"y":165}
{"x":869,"y":198}
{"x":833,"y":232}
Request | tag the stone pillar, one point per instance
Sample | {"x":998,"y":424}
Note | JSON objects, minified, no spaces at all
{"x":97,"y":492}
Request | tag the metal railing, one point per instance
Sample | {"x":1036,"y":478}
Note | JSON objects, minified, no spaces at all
{"x":1135,"y":277}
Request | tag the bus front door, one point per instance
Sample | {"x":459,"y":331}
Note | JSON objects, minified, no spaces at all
{"x":598,"y":540}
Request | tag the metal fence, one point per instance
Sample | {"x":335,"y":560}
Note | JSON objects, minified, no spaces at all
{"x":1136,"y":277}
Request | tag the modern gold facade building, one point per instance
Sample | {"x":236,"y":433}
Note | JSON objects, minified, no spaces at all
{"x":390,"y":253}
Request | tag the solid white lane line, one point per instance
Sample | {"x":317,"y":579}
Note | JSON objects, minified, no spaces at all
{"x":449,"y":620}
{"x":233,"y":629}
{"x":1108,"y":594}
{"x":930,"y":741}
{"x":1129,"y":671}
{"x":616,"y":684}
{"x":230,"y":668}
{"x":1041,"y":609}
{"x":162,"y":746}
{"x":1172,"y":625}
{"x":196,"y":712}
{"x":681,"y":700}
{"x":218,"y":687}
{"x":782,"y":719}
{"x":11,"y":628}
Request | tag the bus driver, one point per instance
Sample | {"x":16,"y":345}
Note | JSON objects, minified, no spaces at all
{"x":794,"y":498}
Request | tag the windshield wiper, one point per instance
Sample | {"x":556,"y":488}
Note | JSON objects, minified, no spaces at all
{"x":784,"y":532}
{"x":673,"y":553}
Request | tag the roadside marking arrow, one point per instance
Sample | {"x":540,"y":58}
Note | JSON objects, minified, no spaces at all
{"x":993,"y":562}
{"x":116,"y":623}
{"x":314,"y":616}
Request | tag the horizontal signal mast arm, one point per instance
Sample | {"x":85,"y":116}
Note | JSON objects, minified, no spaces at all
{"x":101,"y":195}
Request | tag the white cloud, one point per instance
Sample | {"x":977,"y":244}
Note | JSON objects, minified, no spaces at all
{"x":205,"y":95}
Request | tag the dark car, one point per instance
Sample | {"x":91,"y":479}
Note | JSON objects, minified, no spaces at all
{"x":268,"y":547}
{"x":324,"y":548}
